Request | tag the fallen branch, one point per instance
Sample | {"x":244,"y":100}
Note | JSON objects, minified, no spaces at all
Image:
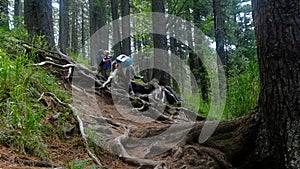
{"x":55,"y":64}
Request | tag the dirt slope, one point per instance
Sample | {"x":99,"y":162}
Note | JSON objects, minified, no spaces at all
{"x":142,"y":131}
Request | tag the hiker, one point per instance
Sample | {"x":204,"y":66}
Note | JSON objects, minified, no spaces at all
{"x":105,"y":65}
{"x":123,"y":67}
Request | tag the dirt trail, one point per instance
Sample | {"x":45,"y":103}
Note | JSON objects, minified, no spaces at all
{"x":144,"y":131}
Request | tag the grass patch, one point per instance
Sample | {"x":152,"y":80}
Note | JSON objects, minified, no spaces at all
{"x":80,"y":164}
{"x":243,"y":91}
{"x":241,"y":96}
{"x":21,"y":110}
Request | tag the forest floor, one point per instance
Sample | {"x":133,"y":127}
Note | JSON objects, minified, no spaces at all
{"x":62,"y":151}
{"x":123,"y":137}
{"x":71,"y":148}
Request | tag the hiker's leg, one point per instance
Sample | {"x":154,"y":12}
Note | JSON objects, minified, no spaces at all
{"x":130,"y":88}
{"x":103,"y":74}
{"x":107,"y":73}
{"x":98,"y":70}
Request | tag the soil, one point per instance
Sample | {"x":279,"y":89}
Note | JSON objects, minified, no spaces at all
{"x":119,"y":124}
{"x":67,"y":150}
{"x":61,"y":153}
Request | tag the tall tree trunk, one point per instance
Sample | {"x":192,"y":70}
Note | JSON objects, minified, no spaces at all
{"x":278,"y":42}
{"x":38,"y":18}
{"x":18,"y":13}
{"x":116,"y":27}
{"x":137,"y":43}
{"x":83,"y":30}
{"x":161,"y":58}
{"x":63,"y":40}
{"x":196,"y":65}
{"x":125,"y":11}
{"x":74,"y":28}
{"x":219,"y":24}
{"x":176,"y":73}
{"x":219,"y":10}
{"x":192,"y":56}
{"x":97,"y":16}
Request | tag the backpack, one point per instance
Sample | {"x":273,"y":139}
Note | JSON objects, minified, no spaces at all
{"x":101,"y":63}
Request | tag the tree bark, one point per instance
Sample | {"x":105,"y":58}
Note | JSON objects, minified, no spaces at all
{"x":84,"y":31}
{"x":63,"y":40}
{"x":98,"y":12}
{"x":161,"y":59}
{"x":74,"y":28}
{"x":219,"y":24}
{"x":278,"y":42}
{"x":125,"y":11}
{"x":198,"y":69}
{"x":38,"y":18}
{"x":116,"y":27}
{"x":18,"y":13}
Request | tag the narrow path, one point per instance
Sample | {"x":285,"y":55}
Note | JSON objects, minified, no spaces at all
{"x":143,"y":132}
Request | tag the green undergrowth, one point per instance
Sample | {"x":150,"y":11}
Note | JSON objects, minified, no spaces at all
{"x":243,"y":91}
{"x":80,"y":59}
{"x":241,"y":96}
{"x":22,"y":109}
{"x":80,"y":164}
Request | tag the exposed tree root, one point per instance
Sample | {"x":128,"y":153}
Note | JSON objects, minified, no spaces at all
{"x":84,"y":136}
{"x":164,"y":135}
{"x":81,"y":128}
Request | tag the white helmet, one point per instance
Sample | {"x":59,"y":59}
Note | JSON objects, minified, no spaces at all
{"x":121,"y":58}
{"x":124,"y":60}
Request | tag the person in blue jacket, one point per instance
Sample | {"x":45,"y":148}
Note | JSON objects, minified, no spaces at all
{"x":106,"y":65}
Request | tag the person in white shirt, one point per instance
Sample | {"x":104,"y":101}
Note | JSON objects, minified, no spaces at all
{"x":124,"y":69}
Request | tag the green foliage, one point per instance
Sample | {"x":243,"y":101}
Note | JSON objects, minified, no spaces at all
{"x":239,"y":32}
{"x":80,"y":164}
{"x":80,"y":59}
{"x":197,"y":105}
{"x":241,"y":95}
{"x":243,"y":91}
{"x":21,"y":86}
{"x":141,"y":6}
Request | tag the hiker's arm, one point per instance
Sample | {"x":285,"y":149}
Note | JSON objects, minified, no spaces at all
{"x":108,"y":60}
{"x":135,"y":76}
{"x":113,"y":75}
